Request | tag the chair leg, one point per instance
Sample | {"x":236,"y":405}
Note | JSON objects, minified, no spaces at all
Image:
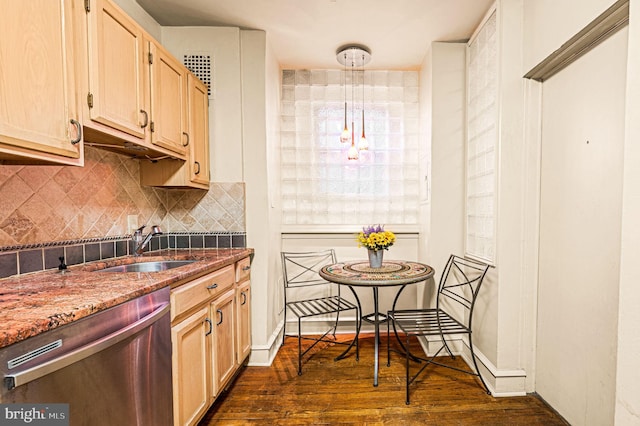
{"x":299,"y":348}
{"x":406,"y":351}
{"x":284,"y":325}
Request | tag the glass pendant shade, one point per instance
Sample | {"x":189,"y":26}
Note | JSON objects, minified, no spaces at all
{"x":363,"y":145}
{"x":353,"y":151}
{"x":344,"y":137}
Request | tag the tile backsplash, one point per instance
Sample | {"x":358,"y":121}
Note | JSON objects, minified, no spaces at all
{"x":41,"y":204}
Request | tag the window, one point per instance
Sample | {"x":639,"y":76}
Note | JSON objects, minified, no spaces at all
{"x":482,"y":137}
{"x":319,"y":185}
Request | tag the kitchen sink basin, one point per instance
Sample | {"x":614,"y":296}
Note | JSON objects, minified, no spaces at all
{"x":148,"y":266}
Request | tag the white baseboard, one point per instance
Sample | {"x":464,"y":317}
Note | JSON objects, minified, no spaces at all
{"x":501,"y":382}
{"x":263,"y":355}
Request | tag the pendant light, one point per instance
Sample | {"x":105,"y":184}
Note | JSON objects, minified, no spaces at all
{"x":353,"y":56}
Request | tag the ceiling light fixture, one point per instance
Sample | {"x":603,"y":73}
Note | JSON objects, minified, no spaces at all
{"x":353,"y":56}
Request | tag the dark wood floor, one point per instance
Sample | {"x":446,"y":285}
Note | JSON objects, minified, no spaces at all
{"x":341,"y":393}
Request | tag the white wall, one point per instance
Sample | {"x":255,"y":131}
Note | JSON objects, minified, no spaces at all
{"x":627,"y":408}
{"x":258,"y":130}
{"x":225,"y":104}
{"x":442,"y":103}
{"x":581,"y":197}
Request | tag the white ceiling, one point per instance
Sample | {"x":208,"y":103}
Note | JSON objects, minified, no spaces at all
{"x":305,"y":34}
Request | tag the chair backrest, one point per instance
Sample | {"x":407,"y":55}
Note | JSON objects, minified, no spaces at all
{"x":460,"y":282}
{"x":300,"y":269}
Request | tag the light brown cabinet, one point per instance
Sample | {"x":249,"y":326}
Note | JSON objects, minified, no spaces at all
{"x":223,"y":313}
{"x":191,"y":353}
{"x":135,"y":91}
{"x":243,"y":310}
{"x":117,"y":83}
{"x":194,"y":172}
{"x":168,"y":82}
{"x":205,"y":315}
{"x":39,"y":115}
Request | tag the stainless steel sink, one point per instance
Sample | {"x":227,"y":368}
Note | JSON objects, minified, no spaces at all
{"x":148,"y":266}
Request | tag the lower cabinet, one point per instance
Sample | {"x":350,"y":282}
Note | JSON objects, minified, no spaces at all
{"x":190,"y":358}
{"x":209,"y":320}
{"x":224,"y":338}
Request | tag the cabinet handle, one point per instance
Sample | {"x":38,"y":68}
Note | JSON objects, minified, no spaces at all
{"x":197,"y":172}
{"x":246,"y":268}
{"x":146,"y":118}
{"x":244,"y":298}
{"x":207,"y":320}
{"x":187,"y":142}
{"x":221,"y":316}
{"x":79,"y":128}
{"x":212,"y":286}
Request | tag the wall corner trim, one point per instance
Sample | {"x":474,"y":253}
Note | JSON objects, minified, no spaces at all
{"x":598,"y":30}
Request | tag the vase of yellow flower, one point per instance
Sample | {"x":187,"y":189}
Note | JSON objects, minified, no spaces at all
{"x":376,"y":240}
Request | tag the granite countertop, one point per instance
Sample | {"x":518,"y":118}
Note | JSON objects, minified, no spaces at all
{"x":31,"y":304}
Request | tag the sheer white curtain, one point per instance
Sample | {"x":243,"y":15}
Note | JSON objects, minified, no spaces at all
{"x":319,"y":185}
{"x":482,"y":138}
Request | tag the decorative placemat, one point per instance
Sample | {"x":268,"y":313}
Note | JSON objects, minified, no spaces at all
{"x":389,"y":274}
{"x":386,"y":268}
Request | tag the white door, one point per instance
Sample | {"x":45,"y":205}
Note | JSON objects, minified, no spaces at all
{"x":580,"y":221}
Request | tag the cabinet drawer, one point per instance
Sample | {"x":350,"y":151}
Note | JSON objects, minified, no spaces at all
{"x":200,"y":290}
{"x":243,"y":269}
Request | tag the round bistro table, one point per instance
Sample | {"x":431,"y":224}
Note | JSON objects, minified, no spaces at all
{"x":391,"y":273}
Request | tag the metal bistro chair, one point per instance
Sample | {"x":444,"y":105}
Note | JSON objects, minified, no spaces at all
{"x":300,"y":270}
{"x":458,"y":290}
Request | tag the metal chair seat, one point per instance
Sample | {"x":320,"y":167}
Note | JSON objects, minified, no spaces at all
{"x":320,"y":306}
{"x":428,"y":322}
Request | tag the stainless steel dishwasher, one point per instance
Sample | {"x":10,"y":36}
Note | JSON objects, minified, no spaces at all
{"x":112,"y":368}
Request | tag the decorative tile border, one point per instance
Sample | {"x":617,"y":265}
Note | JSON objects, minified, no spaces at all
{"x":15,"y":260}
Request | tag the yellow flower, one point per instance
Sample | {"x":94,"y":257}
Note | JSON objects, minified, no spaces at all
{"x":375,"y":238}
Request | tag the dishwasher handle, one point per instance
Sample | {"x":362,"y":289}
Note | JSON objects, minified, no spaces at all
{"x":22,"y":377}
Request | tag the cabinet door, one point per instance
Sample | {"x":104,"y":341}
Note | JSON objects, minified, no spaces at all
{"x":117,"y":72}
{"x":191,"y":363}
{"x":243,"y":300}
{"x":224,"y":346}
{"x":37,"y":82}
{"x":168,"y":101}
{"x":198,"y":131}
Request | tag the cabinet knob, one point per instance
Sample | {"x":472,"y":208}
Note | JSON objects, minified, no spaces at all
{"x":221,"y":317}
{"x":208,"y":321}
{"x":186,"y":143}
{"x":244,"y":298}
{"x":197,"y":172}
{"x":212,"y":286}
{"x":246,"y":268}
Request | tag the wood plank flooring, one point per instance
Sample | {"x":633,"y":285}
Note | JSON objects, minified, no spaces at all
{"x":341,"y":393}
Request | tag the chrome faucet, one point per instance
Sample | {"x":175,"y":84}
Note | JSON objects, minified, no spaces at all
{"x":142,"y":242}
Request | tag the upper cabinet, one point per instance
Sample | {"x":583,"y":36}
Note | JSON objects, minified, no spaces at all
{"x":39,"y":117}
{"x":75,"y":73}
{"x":194,"y":173}
{"x":136,"y":93}
{"x":168,"y":100}
{"x":117,"y":80}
